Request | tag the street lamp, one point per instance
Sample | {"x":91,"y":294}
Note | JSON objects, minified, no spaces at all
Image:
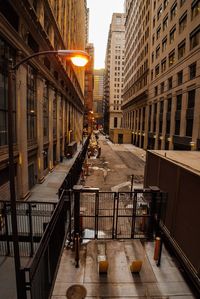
{"x":78,"y":58}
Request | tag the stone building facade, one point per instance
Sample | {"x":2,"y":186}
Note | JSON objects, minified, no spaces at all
{"x":49,"y":101}
{"x":114,"y":67}
{"x":162,"y":80}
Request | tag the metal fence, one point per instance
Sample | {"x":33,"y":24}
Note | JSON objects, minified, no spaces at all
{"x":117,"y":215}
{"x":32,"y":218}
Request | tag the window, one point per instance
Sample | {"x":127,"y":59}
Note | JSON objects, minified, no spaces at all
{"x":164,"y":44}
{"x":157,"y":70}
{"x":165,"y":23}
{"x":152,"y":57}
{"x":170,"y":83}
{"x":181,"y":49}
{"x":173,"y":11}
{"x":158,"y":32}
{"x":182,"y":22}
{"x":46,"y":111}
{"x":157,"y":51}
{"x":191,"y":99}
{"x":166,"y":3}
{"x":195,"y":10}
{"x":182,"y":2}
{"x":6,"y":53}
{"x":163,"y":65}
{"x":192,"y":70}
{"x":31,"y":104}
{"x":159,"y":12}
{"x":153,"y":39}
{"x":171,"y":58}
{"x":155,"y":91}
{"x":172,"y":34}
{"x":162,"y":87}
{"x":180,"y":77}
{"x":195,"y":37}
{"x":115,"y":122}
{"x":179,"y":102}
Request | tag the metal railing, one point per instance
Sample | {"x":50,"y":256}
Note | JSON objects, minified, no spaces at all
{"x":32,"y":217}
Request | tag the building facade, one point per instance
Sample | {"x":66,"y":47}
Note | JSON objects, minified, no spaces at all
{"x":49,"y":101}
{"x":114,"y":68}
{"x":89,"y":86}
{"x":168,"y":114}
{"x":98,"y":98}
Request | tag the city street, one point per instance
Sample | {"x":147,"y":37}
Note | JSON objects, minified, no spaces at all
{"x":117,"y":163}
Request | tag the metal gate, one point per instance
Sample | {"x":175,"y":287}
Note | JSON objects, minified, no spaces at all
{"x":117,"y":215}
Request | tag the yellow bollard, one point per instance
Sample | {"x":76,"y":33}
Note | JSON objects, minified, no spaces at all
{"x":157,"y":249}
{"x":136,"y":266}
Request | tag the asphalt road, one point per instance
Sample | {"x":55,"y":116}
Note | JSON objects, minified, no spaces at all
{"x":114,"y":167}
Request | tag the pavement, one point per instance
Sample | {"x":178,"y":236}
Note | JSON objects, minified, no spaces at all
{"x":113,"y":170}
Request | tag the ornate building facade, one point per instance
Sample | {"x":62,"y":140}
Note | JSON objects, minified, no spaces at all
{"x":49,"y":101}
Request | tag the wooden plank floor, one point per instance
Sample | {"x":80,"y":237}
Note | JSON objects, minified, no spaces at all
{"x":119,"y":282}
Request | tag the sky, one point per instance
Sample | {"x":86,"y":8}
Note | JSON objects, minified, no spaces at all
{"x":100,"y":16}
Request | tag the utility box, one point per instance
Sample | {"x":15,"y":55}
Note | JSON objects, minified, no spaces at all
{"x":71,"y":149}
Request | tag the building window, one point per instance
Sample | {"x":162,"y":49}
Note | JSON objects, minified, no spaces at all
{"x":162,"y":87}
{"x":192,"y":69}
{"x":155,"y":91}
{"x":191,"y":99}
{"x":157,"y":51}
{"x":166,"y":3}
{"x":183,"y":22}
{"x":158,"y":32}
{"x":170,"y":83}
{"x":182,"y":2}
{"x":46,"y":111}
{"x":179,"y":102}
{"x":115,"y":122}
{"x":171,"y":58}
{"x":180,"y":77}
{"x":153,"y":39}
{"x":164,"y":44}
{"x":157,"y":70}
{"x":195,"y":37}
{"x":55,"y":116}
{"x":181,"y":49}
{"x":163,"y":65}
{"x":172,"y":34}
{"x":31,"y":104}
{"x":6,"y":52}
{"x":195,"y":9}
{"x":165,"y":23}
{"x":159,"y":12}
{"x":173,"y":11}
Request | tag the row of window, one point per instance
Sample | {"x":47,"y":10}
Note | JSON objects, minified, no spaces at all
{"x":192,"y":75}
{"x":155,"y":124}
{"x":161,"y":67}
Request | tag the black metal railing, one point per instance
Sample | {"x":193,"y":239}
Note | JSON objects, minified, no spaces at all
{"x":32,"y":217}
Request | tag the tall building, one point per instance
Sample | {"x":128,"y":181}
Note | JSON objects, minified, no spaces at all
{"x":98,"y":98}
{"x":136,"y":71}
{"x":114,"y":67}
{"x":89,"y":86}
{"x":168,"y":115}
{"x":49,"y":101}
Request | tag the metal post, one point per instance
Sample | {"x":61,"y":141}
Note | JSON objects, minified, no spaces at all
{"x":11,"y":77}
{"x":77,"y":189}
{"x":132,"y":178}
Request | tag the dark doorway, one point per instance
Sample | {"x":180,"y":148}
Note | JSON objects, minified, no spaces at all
{"x":120,"y":138}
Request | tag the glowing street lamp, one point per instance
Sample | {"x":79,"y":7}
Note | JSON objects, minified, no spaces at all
{"x":79,"y":58}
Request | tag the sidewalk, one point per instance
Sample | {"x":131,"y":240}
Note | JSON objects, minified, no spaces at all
{"x":48,"y":190}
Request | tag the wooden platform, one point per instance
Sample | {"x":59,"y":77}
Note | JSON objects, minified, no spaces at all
{"x":119,"y":282}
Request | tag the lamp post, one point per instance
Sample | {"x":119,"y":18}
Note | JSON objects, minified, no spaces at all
{"x":78,"y":58}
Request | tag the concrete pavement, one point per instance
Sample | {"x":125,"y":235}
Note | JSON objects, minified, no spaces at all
{"x":163,"y":282}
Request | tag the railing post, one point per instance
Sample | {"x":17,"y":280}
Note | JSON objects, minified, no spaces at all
{"x":77,"y":189}
{"x":30,"y":229}
{"x":6,"y":229}
{"x":153,"y":223}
